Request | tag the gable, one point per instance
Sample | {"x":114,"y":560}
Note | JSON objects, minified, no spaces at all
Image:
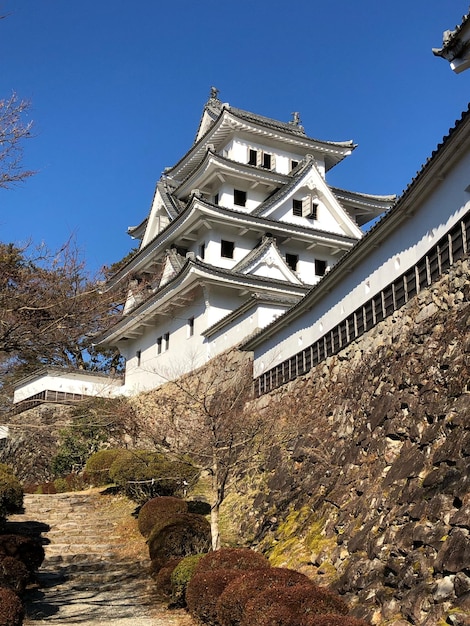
{"x":266,"y":261}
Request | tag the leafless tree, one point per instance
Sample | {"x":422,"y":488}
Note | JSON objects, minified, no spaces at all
{"x":14,"y":130}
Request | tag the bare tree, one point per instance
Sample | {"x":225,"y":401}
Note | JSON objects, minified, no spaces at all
{"x":205,"y":416}
{"x":14,"y":129}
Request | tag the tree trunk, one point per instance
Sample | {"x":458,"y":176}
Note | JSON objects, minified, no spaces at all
{"x":215,"y":533}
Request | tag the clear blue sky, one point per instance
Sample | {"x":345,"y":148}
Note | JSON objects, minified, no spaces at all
{"x":117,"y":89}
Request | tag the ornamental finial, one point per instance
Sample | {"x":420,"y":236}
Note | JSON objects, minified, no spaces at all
{"x":295,"y":118}
{"x":214,"y":95}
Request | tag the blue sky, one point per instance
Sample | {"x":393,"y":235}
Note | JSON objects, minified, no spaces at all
{"x":117,"y":89}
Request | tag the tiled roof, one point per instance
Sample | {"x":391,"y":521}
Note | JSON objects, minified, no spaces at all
{"x":452,"y":46}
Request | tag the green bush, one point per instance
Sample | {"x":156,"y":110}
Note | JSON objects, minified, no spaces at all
{"x":333,"y":620}
{"x":180,"y":578}
{"x":13,"y":574}
{"x":185,"y":534}
{"x":292,"y":603}
{"x":11,"y":608}
{"x":233,"y":600}
{"x":11,"y":492}
{"x":99,"y":464}
{"x":144,"y":474}
{"x":158,"y":511}
{"x":232,"y":558}
{"x":203,"y":592}
{"x":27,"y":549}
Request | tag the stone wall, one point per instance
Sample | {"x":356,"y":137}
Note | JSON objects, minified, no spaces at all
{"x":372,"y":493}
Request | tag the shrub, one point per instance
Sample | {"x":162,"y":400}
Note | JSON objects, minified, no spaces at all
{"x":203,"y":592}
{"x":157,"y":511}
{"x":199,"y":507}
{"x":99,"y":464}
{"x":13,"y":574}
{"x":333,"y":620}
{"x":232,"y":558}
{"x":11,"y":491}
{"x":297,"y":602}
{"x":11,"y":608}
{"x":180,"y":578}
{"x":185,"y":534}
{"x":163,"y":578}
{"x":27,"y":549}
{"x":232,"y":602}
{"x":144,"y":474}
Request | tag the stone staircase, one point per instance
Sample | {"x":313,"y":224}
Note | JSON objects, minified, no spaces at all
{"x":96,"y":565}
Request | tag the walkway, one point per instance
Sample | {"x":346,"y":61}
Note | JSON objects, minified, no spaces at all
{"x":96,"y":565}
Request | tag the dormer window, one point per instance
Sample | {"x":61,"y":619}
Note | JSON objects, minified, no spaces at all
{"x":313,"y":215}
{"x":297,"y":207}
{"x":239,"y":197}
{"x":306,"y":207}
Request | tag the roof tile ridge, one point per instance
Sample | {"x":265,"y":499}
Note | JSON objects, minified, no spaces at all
{"x":392,"y":196}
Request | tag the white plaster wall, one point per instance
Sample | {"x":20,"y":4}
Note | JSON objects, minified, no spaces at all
{"x":69,"y":383}
{"x":398,"y":251}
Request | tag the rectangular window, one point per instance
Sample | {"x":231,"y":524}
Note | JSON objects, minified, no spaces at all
{"x":216,"y":198}
{"x":313,"y":215}
{"x":320,"y":267}
{"x":138,"y":354}
{"x":292,"y":260}
{"x":252,"y":157}
{"x":297,"y":207}
{"x":202,"y":250}
{"x":190,"y":327}
{"x":239,"y":197}
{"x":267,"y":160}
{"x":166,"y":339}
{"x":159,"y":345}
{"x":226,"y":249}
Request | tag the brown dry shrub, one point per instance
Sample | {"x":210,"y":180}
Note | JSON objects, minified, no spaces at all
{"x":163,"y":578}
{"x":333,"y":620}
{"x":295,"y":602}
{"x":13,"y":574}
{"x":233,"y":600}
{"x":11,"y":608}
{"x":203,"y":592}
{"x":158,"y":511}
{"x":185,"y":534}
{"x":26,"y":549}
{"x":232,"y":558}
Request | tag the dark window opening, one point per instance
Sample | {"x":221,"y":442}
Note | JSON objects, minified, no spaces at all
{"x":227,"y":248}
{"x":252,"y":157}
{"x":267,"y":161}
{"x":159,"y":345}
{"x":191,"y":327}
{"x":292,"y":260}
{"x":297,"y":207}
{"x":293,"y":164}
{"x":320,"y":267}
{"x":239,"y":197}
{"x":313,"y":211}
{"x":166,"y":338}
{"x":216,"y":198}
{"x":138,"y":354}
{"x":202,"y":250}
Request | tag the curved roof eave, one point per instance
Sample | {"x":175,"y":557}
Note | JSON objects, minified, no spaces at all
{"x":192,"y":272}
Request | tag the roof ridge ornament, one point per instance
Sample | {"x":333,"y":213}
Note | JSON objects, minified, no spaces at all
{"x":296,"y":121}
{"x":214,"y":96}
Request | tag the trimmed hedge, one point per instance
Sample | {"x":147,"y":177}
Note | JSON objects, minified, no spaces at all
{"x":159,"y":511}
{"x":13,"y":574}
{"x":11,"y":608}
{"x":180,"y":578}
{"x":291,"y":603}
{"x":184,"y":534}
{"x":163,"y":578}
{"x":26,"y":549}
{"x":232,"y":558}
{"x":98,"y":465}
{"x":203,"y":592}
{"x":11,"y":492}
{"x":232,"y":602}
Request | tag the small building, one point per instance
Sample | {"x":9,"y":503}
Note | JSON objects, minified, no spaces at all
{"x":239,"y":230}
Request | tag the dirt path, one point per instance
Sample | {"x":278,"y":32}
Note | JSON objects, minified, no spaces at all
{"x":95,"y":570}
